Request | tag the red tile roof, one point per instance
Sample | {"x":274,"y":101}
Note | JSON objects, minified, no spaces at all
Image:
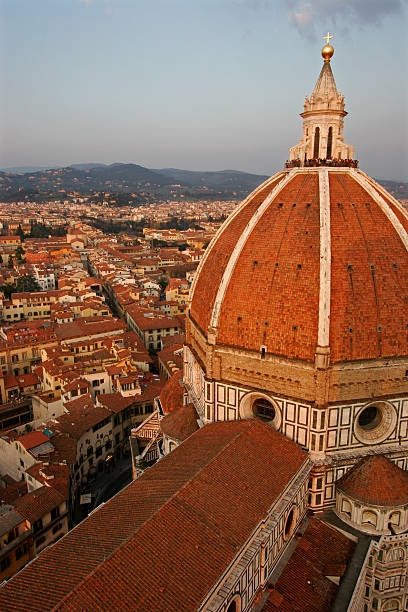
{"x":272,"y":294}
{"x":38,"y":503}
{"x":219,"y":252}
{"x":376,"y":480}
{"x":171,"y":396}
{"x":33,"y":439}
{"x":194,"y":509}
{"x":82,"y":415}
{"x":180,"y":423}
{"x":369,"y":277}
{"x":303,"y":586}
{"x":115,"y":401}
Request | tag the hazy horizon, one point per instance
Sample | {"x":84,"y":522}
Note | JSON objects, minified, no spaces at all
{"x":27,"y":169}
{"x":200,"y":84}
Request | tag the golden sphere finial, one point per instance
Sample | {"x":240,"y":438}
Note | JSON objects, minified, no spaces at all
{"x":327,"y":51}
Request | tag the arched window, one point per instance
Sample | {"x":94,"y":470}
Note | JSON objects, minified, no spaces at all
{"x":235,"y":605}
{"x":316,"y":143}
{"x":346,"y":508}
{"x":369,"y":518}
{"x":391,"y":606}
{"x":395,"y":518}
{"x":396,"y":554}
{"x":329,"y":143}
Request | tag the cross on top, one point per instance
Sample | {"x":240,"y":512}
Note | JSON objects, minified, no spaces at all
{"x":327,"y":38}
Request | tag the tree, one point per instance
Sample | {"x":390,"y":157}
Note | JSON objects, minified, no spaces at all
{"x":20,"y":232}
{"x":7,"y":290}
{"x":163,"y":282}
{"x":27,"y":283}
{"x":19,"y":253}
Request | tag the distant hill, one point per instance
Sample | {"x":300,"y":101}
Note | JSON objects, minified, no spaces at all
{"x":136,"y":184}
{"x":142,"y":183}
{"x":221,"y":179}
{"x":25,"y":169}
{"x":87,"y":166}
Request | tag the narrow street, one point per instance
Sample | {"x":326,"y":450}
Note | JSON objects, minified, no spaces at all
{"x":106,"y":485}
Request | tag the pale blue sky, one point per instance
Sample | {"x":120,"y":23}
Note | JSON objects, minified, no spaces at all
{"x":196,"y":84}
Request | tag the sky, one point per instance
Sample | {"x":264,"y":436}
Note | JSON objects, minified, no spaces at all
{"x":197,"y":84}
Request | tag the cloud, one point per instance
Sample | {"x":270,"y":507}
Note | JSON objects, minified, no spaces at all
{"x":307,"y":15}
{"x":108,"y":10}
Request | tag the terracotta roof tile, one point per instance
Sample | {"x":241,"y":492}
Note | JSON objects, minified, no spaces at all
{"x":303,"y":585}
{"x":376,"y":480}
{"x":171,"y":396}
{"x":143,"y":546}
{"x":180,"y":423}
{"x":37,"y":503}
{"x":33,"y":439}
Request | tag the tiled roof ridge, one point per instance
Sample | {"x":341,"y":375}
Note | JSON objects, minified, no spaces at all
{"x":156,"y":511}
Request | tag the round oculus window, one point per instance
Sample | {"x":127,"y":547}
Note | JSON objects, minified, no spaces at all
{"x":370,"y":418}
{"x":290,"y":523}
{"x":263,"y":409}
{"x":375,"y":423}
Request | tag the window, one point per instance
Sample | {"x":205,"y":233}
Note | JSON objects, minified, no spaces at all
{"x":370,"y":418}
{"x":12,"y":535}
{"x":290,"y":523}
{"x":95,"y":383}
{"x":5,"y":563}
{"x":37,"y":525}
{"x":40,"y":541}
{"x":329,"y":143}
{"x":56,"y":528}
{"x":263,"y":409}
{"x":98,"y":452}
{"x":21,"y":551}
{"x":395,"y":518}
{"x":316,"y":147}
{"x":55,"y":512}
{"x":346,"y":508}
{"x":369,"y":518}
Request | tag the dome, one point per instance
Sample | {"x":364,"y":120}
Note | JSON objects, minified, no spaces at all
{"x":373,"y":496}
{"x":315,"y":257}
{"x":377,"y":481}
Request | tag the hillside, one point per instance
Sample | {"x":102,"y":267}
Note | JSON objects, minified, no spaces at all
{"x":138,"y":184}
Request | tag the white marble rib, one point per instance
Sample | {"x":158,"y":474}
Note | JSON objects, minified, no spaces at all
{"x":325,"y":259}
{"x":240,"y":245}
